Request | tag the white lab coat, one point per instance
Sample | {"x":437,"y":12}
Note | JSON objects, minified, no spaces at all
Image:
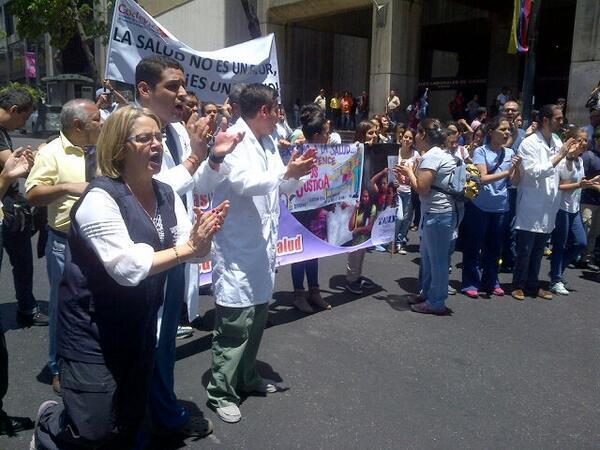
{"x":178,"y":177}
{"x":244,"y":253}
{"x":538,"y":196}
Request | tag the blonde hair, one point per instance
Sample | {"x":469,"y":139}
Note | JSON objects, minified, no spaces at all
{"x":113,"y":136}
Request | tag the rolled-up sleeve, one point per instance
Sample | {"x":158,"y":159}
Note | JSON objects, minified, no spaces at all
{"x":101,"y":223}
{"x":44,"y":171}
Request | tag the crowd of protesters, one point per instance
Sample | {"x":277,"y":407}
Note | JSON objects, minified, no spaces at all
{"x":114,"y":202}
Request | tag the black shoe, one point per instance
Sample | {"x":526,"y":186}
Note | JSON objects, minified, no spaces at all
{"x":354,"y":287}
{"x":366,"y":283}
{"x":36,"y":319}
{"x":10,"y":426}
{"x":593,"y":267}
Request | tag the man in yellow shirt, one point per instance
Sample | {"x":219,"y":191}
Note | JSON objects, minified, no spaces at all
{"x":57,"y":180}
{"x":336,"y":111}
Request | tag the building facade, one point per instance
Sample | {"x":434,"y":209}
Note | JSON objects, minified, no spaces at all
{"x":375,"y":45}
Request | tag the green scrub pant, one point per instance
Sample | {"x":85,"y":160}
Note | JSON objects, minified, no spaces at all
{"x":236,"y":338}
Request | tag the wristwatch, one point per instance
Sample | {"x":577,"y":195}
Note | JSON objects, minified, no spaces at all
{"x":215,"y":159}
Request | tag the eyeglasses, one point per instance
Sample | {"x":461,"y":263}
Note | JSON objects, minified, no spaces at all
{"x":147,"y":138}
{"x":510,"y":110}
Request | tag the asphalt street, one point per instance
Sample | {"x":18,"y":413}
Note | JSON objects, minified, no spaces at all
{"x":496,"y":374}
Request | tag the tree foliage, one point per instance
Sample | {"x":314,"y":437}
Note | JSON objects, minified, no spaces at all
{"x":16,"y":85}
{"x":58,"y":18}
{"x":62,"y":20}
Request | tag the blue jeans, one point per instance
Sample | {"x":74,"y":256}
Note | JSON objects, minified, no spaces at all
{"x":55,"y":265}
{"x":509,"y":247}
{"x":568,"y":241}
{"x":436,"y":237}
{"x":165,"y":411}
{"x":530,"y":250}
{"x":403,"y":223}
{"x":311,"y":268}
{"x":345,"y":121}
{"x":482,"y":246}
{"x":20,"y":254}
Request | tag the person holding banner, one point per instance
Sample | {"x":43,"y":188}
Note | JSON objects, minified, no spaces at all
{"x":360,"y":224}
{"x":127,"y":231}
{"x":244,"y":253}
{"x":438,"y":215}
{"x":316,"y":131}
{"x":160,"y":87}
{"x":361,"y":220}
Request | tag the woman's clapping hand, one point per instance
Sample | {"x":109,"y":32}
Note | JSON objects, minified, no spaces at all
{"x":205,"y":227}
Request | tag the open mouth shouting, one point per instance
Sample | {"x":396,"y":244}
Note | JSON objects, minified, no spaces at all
{"x":156,"y":160}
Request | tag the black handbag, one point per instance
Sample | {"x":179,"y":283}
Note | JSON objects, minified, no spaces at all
{"x":18,"y":216}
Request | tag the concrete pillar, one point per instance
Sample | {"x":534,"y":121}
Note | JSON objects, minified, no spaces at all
{"x":503,"y":68}
{"x":585,"y":60}
{"x":101,"y":13}
{"x":395,"y":51}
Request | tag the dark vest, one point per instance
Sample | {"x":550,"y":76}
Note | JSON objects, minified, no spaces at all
{"x":99,"y":320}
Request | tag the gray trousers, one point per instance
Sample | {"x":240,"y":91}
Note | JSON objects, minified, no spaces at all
{"x":102,"y":408}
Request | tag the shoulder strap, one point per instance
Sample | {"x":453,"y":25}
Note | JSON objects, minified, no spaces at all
{"x":459,"y":163}
{"x":499,"y":162}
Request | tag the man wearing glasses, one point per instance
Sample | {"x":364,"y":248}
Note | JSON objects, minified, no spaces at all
{"x":510,"y":112}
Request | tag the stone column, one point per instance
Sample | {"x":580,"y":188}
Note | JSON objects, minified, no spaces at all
{"x":395,"y":51}
{"x":503,"y":68}
{"x":281,"y":42}
{"x":585,"y":60}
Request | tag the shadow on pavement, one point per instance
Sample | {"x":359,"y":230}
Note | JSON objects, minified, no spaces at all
{"x":176,"y":441}
{"x":396,"y":302}
{"x":590,"y":276}
{"x":282,"y":310}
{"x":193,"y":347}
{"x":8,"y":314}
{"x":408,"y":284}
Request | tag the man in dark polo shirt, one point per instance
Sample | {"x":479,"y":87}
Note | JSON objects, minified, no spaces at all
{"x":590,"y":201}
{"x":16,"y":105}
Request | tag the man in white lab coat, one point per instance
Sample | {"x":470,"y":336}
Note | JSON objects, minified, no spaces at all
{"x":244,"y":252}
{"x":538,"y":199}
{"x":160,"y":87}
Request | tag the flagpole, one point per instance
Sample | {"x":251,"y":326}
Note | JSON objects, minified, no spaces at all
{"x":529,"y":76}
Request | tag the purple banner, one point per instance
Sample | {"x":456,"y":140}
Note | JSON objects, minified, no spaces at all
{"x":341,"y":227}
{"x":30,"y":69}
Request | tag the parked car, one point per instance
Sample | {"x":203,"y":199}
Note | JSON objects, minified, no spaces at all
{"x":52,"y":121}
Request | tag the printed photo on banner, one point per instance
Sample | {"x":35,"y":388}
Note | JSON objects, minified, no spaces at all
{"x":335,"y":179}
{"x":331,"y":228}
{"x":135,"y":34}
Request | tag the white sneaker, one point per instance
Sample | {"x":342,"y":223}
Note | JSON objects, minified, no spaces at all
{"x":267,"y":387}
{"x":402,"y":251}
{"x":230,"y":413}
{"x":559,"y":288}
{"x":184,"y":331}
